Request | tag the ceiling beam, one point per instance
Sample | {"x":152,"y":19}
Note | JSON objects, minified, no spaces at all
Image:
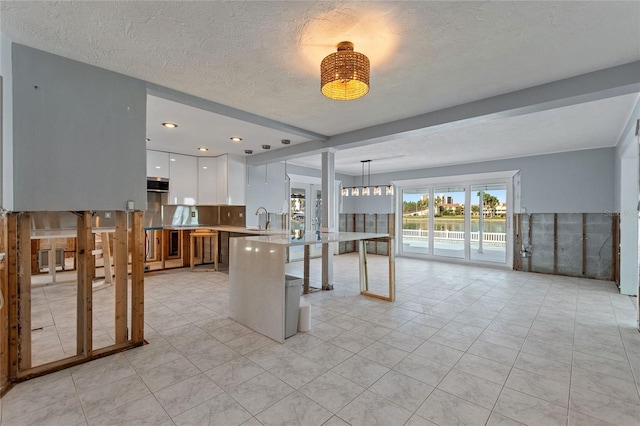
{"x":227,"y":111}
{"x":610,"y":82}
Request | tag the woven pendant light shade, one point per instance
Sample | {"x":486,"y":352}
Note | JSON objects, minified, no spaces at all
{"x":344,"y":75}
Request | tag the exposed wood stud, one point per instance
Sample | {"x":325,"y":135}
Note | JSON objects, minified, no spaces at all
{"x":12,"y":294}
{"x":555,"y":243}
{"x":184,"y":238}
{"x":121,"y":260}
{"x":615,"y":249}
{"x":86,"y":271}
{"x":584,"y":244}
{"x":137,"y":276}
{"x":305,"y":277}
{"x":517,"y":257}
{"x":530,"y":242}
{"x":5,"y":384}
{"x":24,"y":291}
{"x":107,"y":257}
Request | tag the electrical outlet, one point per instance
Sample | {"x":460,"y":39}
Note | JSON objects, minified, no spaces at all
{"x":193,"y":214}
{"x":107,"y":215}
{"x":241,"y":214}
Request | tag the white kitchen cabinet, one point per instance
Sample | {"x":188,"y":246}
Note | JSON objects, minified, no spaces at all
{"x":157,"y":164}
{"x":183,"y":179}
{"x":208,"y":180}
{"x":200,"y":180}
{"x":232,"y":180}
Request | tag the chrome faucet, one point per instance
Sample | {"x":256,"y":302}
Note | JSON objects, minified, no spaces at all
{"x":266,"y":226}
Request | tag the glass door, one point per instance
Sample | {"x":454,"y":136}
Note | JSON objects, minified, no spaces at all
{"x":460,"y":220}
{"x":298,"y":221}
{"x":315,"y":250}
{"x":415,"y":221}
{"x":449,"y":221}
{"x":489,"y":223}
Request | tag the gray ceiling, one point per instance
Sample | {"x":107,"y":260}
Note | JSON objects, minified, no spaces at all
{"x":262,"y":59}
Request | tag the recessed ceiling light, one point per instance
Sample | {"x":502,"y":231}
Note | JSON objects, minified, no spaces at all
{"x":173,"y":159}
{"x":158,"y":167}
{"x":266,"y":146}
{"x":169,"y":125}
{"x":204,"y":167}
{"x":236,"y":138}
{"x":203,"y":149}
{"x":248,"y":151}
{"x":285,"y":141}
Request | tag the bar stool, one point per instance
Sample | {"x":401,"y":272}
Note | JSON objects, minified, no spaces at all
{"x":202,"y":233}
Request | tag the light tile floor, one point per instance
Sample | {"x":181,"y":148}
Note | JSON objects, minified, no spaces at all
{"x":461,"y":345}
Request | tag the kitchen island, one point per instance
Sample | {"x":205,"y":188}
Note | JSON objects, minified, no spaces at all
{"x":257,"y":276}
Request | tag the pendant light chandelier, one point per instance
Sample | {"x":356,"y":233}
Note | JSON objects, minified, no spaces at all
{"x":367,"y":189}
{"x":344,"y":75}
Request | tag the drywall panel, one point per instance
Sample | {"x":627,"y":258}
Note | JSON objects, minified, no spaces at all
{"x":598,"y":245}
{"x":569,"y":244}
{"x":542,"y":245}
{"x":6,"y":149}
{"x":268,"y":190}
{"x":78,"y":135}
{"x":627,"y":195}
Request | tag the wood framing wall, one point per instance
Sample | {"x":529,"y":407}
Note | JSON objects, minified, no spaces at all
{"x":15,"y":281}
{"x":572,"y":244}
{"x":383,"y":223}
{"x":5,"y":384}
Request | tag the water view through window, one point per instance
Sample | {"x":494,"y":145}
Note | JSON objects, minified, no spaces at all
{"x":439,"y":228}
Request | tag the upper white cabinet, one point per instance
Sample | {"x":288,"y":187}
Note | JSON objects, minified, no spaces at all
{"x":208,"y":180}
{"x":183,"y":179}
{"x":200,"y":180}
{"x":232,"y":180}
{"x":157,"y":164}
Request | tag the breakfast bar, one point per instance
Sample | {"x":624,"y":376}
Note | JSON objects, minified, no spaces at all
{"x":257,"y":276}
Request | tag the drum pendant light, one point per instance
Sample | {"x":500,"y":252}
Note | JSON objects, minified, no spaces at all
{"x":344,"y":75}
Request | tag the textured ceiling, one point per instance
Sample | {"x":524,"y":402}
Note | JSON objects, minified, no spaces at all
{"x":263,"y":57}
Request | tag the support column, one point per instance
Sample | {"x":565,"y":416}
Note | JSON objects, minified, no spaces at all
{"x":481,"y":222}
{"x":328,"y":215}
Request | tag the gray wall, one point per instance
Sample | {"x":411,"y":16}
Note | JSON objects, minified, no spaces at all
{"x":78,"y":137}
{"x":569,"y":182}
{"x":626,"y":202}
{"x":274,"y":195}
{"x":6,"y":150}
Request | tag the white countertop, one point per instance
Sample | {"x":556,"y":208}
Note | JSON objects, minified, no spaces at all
{"x":248,"y":230}
{"x":42,"y":234}
{"x":285,"y":239}
{"x":226,"y":228}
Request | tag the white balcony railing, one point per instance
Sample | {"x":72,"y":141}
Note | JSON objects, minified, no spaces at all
{"x":487,"y":237}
